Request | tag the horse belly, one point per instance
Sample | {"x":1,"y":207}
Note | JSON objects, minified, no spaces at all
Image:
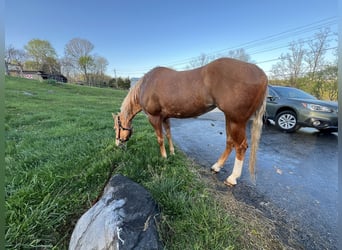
{"x":187,"y":107}
{"x":177,"y":106}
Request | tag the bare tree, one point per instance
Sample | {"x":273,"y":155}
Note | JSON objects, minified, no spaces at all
{"x":291,"y":65}
{"x":77,"y":52}
{"x":97,"y":71}
{"x":67,"y":67}
{"x":9,"y":53}
{"x":204,"y":59}
{"x":305,"y":66}
{"x":199,"y":61}
{"x":14,"y":56}
{"x":100,"y":64}
{"x":240,"y":54}
{"x":317,"y":48}
{"x":78,"y":47}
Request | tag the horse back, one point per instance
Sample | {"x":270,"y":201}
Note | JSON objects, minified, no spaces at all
{"x":232,"y":85}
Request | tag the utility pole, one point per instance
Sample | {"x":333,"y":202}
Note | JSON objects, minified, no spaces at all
{"x":116,"y":84}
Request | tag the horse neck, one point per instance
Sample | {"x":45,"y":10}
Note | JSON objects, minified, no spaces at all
{"x":130,"y":112}
{"x":130,"y":106}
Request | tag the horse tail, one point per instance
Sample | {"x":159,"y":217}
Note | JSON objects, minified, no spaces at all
{"x":255,"y":135}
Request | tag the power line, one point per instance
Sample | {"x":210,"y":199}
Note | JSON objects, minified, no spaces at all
{"x":278,"y":59}
{"x":268,"y":39}
{"x":281,"y":36}
{"x":307,"y":39}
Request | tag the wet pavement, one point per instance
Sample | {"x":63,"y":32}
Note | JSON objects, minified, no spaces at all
{"x":296,"y":176}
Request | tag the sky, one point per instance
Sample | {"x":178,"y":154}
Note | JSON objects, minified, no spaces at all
{"x":138,"y":35}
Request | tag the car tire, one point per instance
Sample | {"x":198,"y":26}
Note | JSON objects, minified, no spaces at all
{"x":287,"y":121}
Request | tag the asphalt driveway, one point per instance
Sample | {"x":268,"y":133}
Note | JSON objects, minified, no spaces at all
{"x":296,"y":175}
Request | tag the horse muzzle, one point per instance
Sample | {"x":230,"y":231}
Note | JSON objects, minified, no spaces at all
{"x":120,"y":142}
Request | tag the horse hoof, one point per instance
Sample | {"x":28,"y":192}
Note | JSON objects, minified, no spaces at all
{"x":215,"y":168}
{"x":214,"y":171}
{"x":229,"y":184}
{"x":230,"y":181}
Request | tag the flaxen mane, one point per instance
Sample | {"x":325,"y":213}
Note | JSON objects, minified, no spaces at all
{"x":131,"y":100}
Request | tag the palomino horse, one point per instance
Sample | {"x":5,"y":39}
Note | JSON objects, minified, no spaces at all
{"x":235,"y":87}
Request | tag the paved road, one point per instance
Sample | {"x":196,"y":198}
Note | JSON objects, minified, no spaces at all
{"x":296,"y":176}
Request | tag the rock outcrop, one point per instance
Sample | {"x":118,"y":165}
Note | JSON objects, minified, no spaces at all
{"x":123,"y":218}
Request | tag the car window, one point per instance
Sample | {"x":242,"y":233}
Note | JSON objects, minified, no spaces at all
{"x":271,"y":92}
{"x":293,"y":93}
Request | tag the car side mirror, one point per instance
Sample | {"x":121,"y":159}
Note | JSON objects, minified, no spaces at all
{"x":271,"y":98}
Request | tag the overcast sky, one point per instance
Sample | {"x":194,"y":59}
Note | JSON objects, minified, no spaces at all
{"x":137,"y":35}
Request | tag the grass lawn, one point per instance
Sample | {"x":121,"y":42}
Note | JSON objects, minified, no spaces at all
{"x":59,"y":153}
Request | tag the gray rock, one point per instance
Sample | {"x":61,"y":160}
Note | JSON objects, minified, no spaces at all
{"x":124,"y":218}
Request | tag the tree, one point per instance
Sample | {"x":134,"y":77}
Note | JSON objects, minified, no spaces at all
{"x":77,"y":52}
{"x":67,"y":67}
{"x":317,"y":48}
{"x":123,"y":83}
{"x":199,"y":61}
{"x":85,"y":62}
{"x":240,"y":54}
{"x":14,"y":56}
{"x":51,"y":66}
{"x":112,"y":83}
{"x":98,"y":69}
{"x":41,"y":52}
{"x":78,"y":47}
{"x":100,"y":64}
{"x":204,"y":59}
{"x":291,"y":65}
{"x":326,"y":83}
{"x":305,"y":66}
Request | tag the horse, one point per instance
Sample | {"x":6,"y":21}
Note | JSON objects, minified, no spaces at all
{"x":237,"y":88}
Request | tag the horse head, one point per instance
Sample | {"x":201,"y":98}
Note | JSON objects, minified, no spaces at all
{"x":123,"y":130}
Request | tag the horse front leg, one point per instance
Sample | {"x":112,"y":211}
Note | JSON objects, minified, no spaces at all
{"x":167,"y":127}
{"x":156,"y":123}
{"x":229,"y":147}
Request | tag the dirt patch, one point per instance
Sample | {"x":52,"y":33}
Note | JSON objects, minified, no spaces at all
{"x":259,"y":227}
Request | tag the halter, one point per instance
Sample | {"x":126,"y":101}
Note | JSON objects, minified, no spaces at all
{"x":123,"y":128}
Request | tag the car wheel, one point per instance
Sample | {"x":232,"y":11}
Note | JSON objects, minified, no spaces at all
{"x":287,"y":121}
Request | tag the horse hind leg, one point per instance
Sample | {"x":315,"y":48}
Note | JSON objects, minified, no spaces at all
{"x":238,"y":164}
{"x":167,"y":127}
{"x":240,"y":141}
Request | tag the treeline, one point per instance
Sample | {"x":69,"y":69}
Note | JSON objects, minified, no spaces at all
{"x":306,"y":65}
{"x":79,"y":64}
{"x":117,"y":83}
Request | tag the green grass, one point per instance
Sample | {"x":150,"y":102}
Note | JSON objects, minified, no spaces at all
{"x":59,"y":152}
